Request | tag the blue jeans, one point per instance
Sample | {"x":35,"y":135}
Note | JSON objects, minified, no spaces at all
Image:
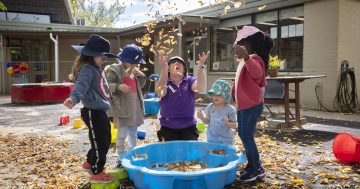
{"x":246,"y":128}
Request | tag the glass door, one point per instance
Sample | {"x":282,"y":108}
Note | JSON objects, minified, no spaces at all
{"x":40,"y":66}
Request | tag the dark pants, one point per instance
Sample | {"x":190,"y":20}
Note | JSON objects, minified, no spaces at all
{"x":246,"y":128}
{"x":100,"y":137}
{"x":168,"y":134}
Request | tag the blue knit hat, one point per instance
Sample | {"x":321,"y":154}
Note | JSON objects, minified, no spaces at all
{"x":132,"y":54}
{"x":222,"y":88}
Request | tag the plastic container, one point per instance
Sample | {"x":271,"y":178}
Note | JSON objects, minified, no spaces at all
{"x":150,"y":95}
{"x":346,"y":148}
{"x":152,"y":106}
{"x":141,"y":134}
{"x":77,"y":123}
{"x":201,"y":127}
{"x":220,"y":171}
{"x":113,"y":133}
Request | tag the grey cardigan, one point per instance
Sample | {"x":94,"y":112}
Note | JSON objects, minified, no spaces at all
{"x":120,"y":106}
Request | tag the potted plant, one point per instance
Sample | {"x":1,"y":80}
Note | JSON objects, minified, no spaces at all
{"x":274,"y":66}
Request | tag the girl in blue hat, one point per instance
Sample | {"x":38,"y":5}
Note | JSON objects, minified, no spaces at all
{"x":126,"y":81}
{"x":220,"y":115}
{"x":91,"y":88}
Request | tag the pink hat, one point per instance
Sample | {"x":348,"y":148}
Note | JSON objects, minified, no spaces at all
{"x":245,"y":32}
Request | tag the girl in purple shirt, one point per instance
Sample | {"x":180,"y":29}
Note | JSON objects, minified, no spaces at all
{"x":177,"y":91}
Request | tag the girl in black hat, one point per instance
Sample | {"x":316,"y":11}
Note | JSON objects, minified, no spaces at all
{"x":91,"y":88}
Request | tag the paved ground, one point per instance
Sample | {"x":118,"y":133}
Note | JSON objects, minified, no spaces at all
{"x":301,"y":159}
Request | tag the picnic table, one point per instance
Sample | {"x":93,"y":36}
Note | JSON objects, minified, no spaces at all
{"x":286,"y":100}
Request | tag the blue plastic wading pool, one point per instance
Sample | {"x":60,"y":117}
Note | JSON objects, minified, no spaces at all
{"x":220,"y":168}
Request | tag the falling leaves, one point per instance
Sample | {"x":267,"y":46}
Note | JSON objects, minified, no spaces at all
{"x":145,"y":40}
{"x":261,"y":7}
{"x":237,"y":4}
{"x":151,"y":62}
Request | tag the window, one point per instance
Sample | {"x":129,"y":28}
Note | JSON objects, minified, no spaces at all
{"x":25,"y":17}
{"x":291,"y":22}
{"x":268,"y":22}
{"x":223,"y":41}
{"x":286,"y":28}
{"x":2,"y":16}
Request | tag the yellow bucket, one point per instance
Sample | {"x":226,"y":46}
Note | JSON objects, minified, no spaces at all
{"x":113,"y":133}
{"x":77,"y":123}
{"x":201,"y":127}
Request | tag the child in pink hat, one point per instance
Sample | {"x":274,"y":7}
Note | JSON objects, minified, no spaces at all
{"x":253,"y":46}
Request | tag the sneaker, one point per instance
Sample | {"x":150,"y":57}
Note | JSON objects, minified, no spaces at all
{"x":244,"y":170}
{"x":86,"y":166}
{"x":118,"y":165}
{"x":252,"y":176}
{"x":101,"y":178}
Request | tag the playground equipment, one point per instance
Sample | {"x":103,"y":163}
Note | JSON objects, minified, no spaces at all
{"x":142,"y":164}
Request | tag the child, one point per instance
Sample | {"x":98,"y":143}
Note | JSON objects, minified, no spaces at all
{"x":92,"y":89}
{"x":177,"y":90}
{"x":253,"y":46}
{"x":126,"y":81}
{"x":219,"y":115}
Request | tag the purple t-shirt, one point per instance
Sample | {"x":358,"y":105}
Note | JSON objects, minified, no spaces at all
{"x":177,"y":107}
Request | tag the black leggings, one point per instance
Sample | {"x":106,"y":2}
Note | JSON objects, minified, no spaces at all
{"x":99,"y":136}
{"x":168,"y":134}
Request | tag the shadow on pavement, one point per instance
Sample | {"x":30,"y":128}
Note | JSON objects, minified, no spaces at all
{"x":301,"y":137}
{"x":333,"y":122}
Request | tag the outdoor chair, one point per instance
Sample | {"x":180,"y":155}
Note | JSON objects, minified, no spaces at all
{"x":274,"y":90}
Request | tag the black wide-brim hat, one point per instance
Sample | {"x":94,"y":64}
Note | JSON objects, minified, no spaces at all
{"x":95,"y":46}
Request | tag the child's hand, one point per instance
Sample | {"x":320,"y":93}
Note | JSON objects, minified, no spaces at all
{"x":136,"y":71}
{"x":240,"y":52}
{"x":226,"y":119}
{"x":123,"y":88}
{"x":69,"y":103}
{"x":202,"y":58}
{"x":200,"y":114}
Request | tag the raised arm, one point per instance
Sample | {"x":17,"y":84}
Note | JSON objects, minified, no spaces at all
{"x":199,"y":84}
{"x":161,"y":87}
{"x":252,"y":65}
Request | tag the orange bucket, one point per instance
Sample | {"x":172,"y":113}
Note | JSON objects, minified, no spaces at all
{"x":346,"y":148}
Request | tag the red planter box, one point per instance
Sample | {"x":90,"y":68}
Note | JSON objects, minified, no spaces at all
{"x":40,"y":93}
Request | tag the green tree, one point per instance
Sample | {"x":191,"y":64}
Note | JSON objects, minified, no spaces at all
{"x":2,"y":6}
{"x":96,"y":12}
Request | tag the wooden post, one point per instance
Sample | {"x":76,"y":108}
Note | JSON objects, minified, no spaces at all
{"x":286,"y":99}
{"x":297,"y":102}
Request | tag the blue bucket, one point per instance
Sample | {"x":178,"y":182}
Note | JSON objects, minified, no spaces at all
{"x":150,"y":95}
{"x":152,"y":106}
{"x":141,"y":134}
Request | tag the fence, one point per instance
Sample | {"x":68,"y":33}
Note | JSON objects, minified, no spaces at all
{"x":21,"y":72}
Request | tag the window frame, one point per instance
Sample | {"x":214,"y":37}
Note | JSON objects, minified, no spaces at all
{"x":253,"y":22}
